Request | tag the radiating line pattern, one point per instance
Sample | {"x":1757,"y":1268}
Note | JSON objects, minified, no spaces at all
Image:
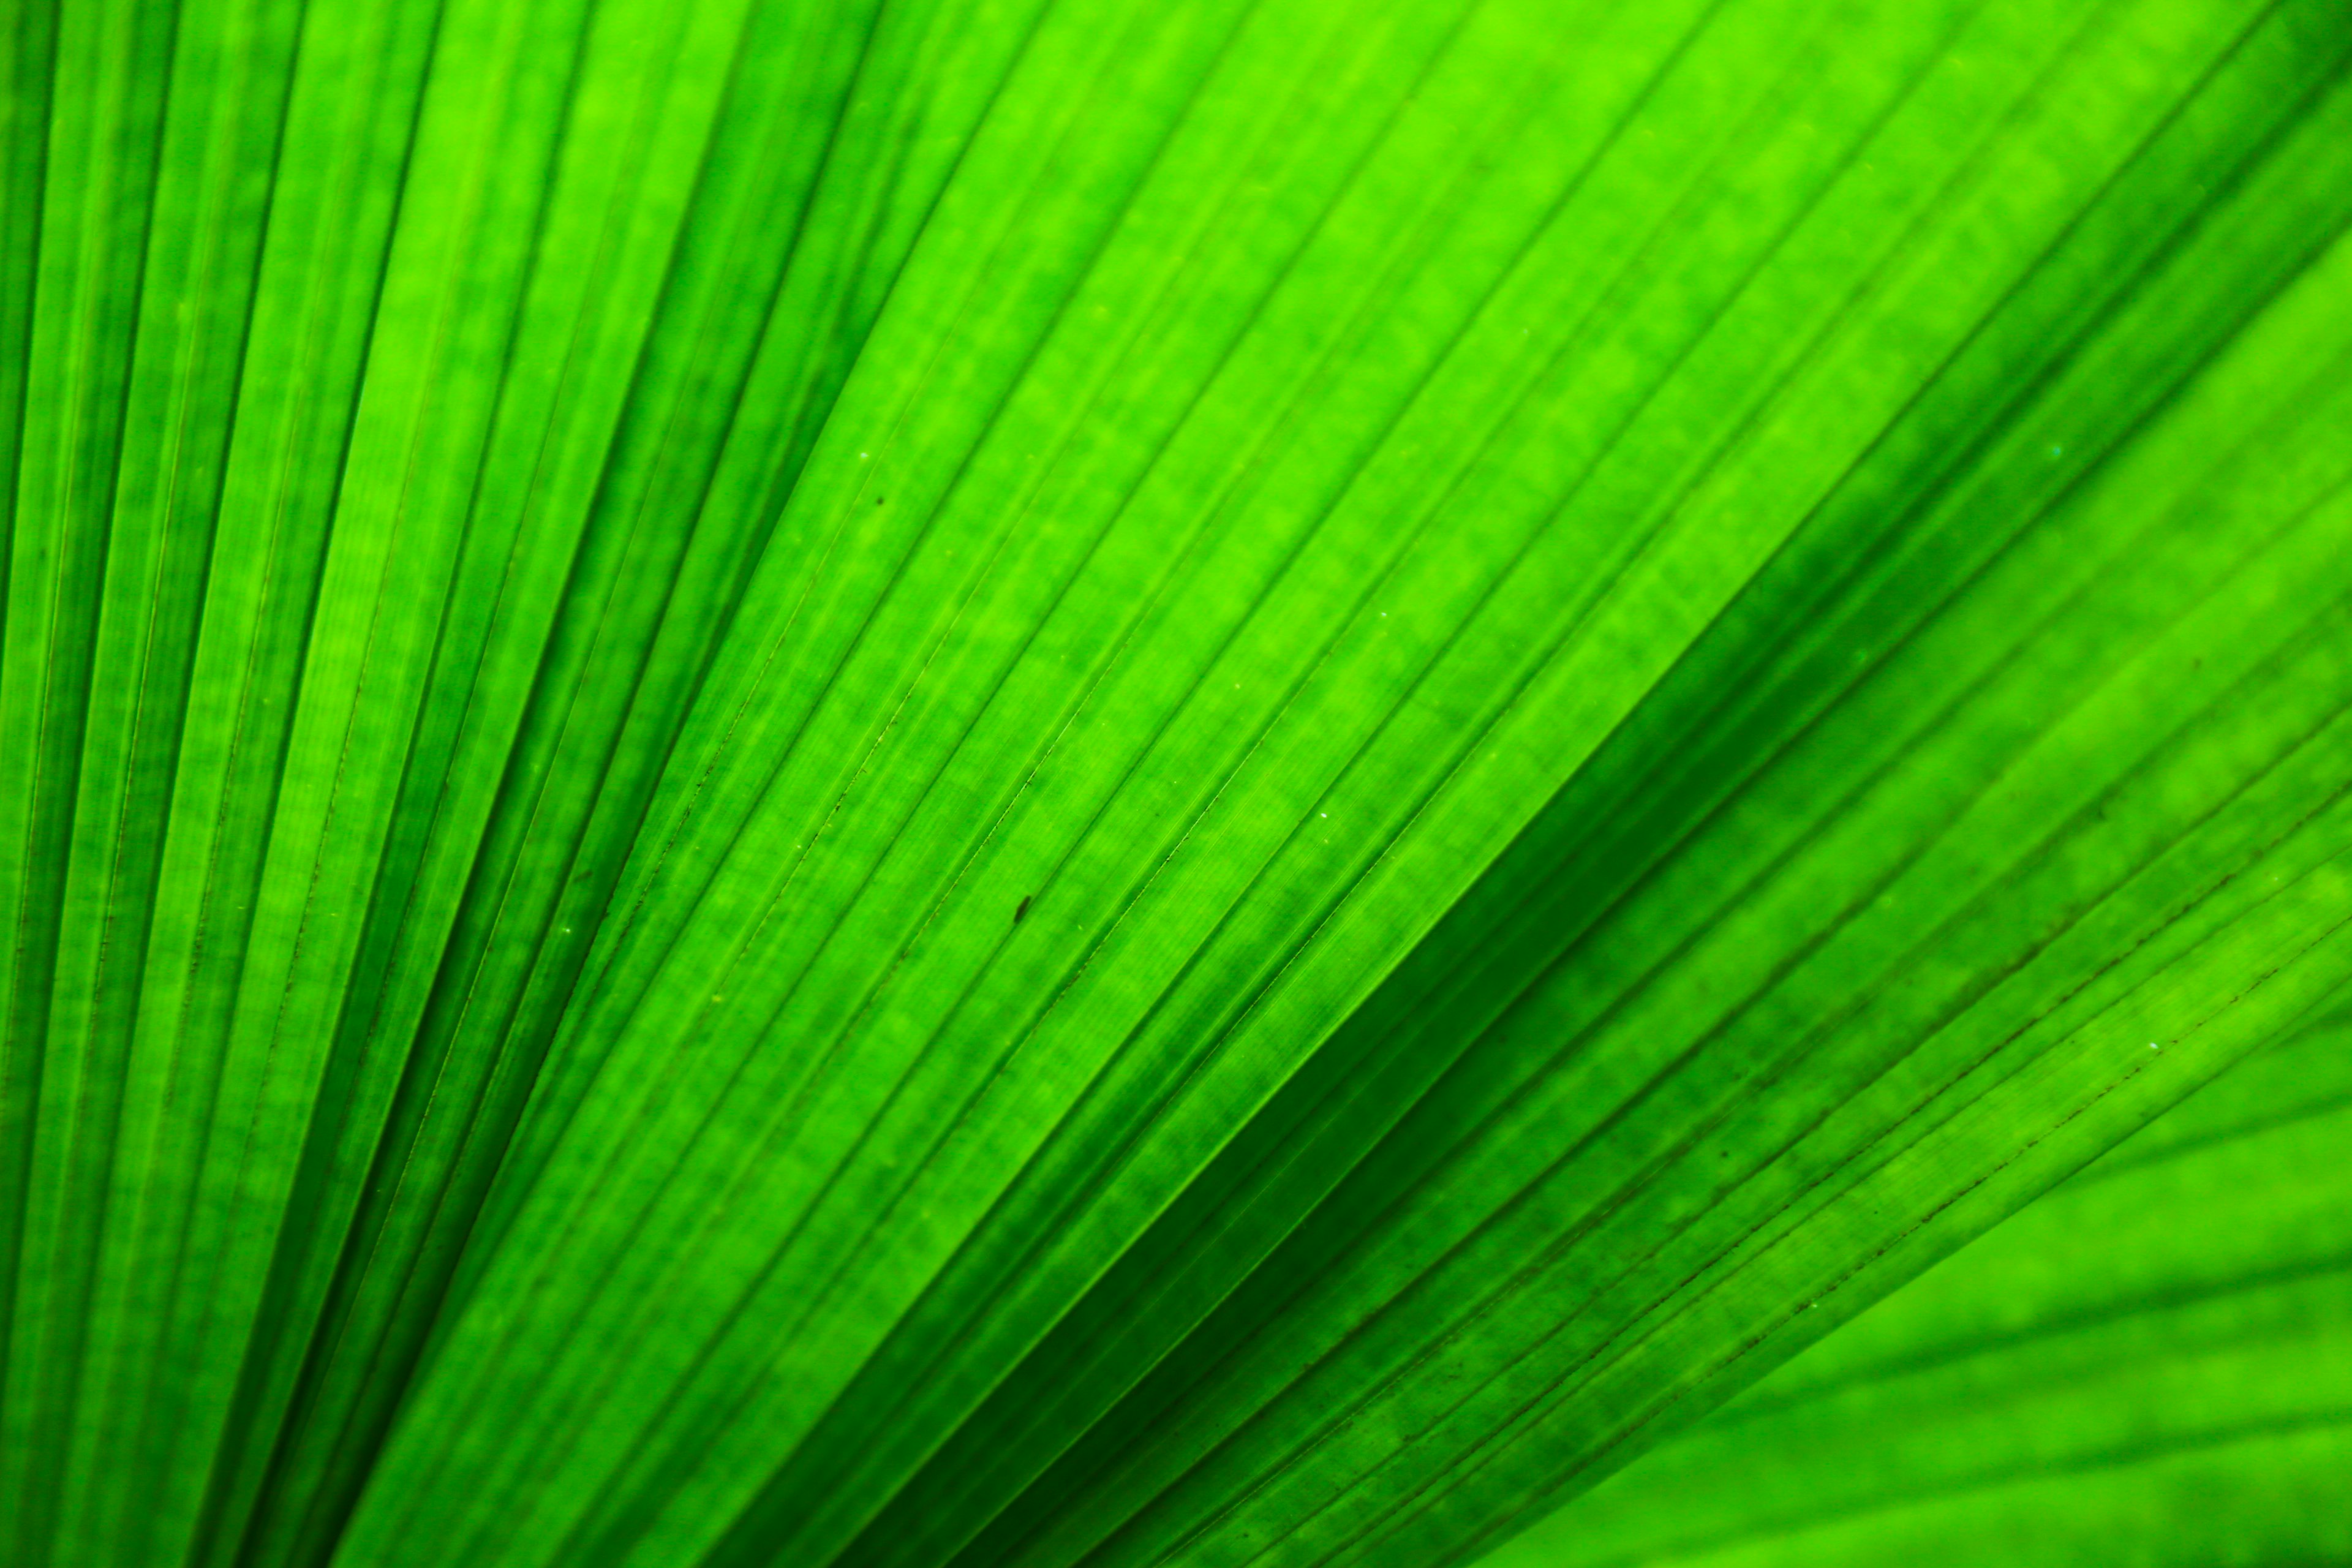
{"x":1061,"y":782}
{"x":2154,"y":1362}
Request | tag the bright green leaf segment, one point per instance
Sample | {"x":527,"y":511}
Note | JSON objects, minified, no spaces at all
{"x":2152,"y":1365}
{"x":1051,"y":783}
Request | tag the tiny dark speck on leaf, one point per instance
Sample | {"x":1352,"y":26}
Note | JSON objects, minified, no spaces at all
{"x":1021,"y":911}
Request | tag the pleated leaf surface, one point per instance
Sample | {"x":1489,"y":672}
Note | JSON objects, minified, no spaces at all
{"x":1053,"y":782}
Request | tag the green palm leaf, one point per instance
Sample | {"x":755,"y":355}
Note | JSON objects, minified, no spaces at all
{"x":1053,"y":782}
{"x":2153,"y":1364}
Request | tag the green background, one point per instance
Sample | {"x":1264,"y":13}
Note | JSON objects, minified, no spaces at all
{"x":1081,"y":783}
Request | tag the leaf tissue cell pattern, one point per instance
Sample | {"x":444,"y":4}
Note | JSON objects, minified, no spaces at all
{"x":1618,"y":661}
